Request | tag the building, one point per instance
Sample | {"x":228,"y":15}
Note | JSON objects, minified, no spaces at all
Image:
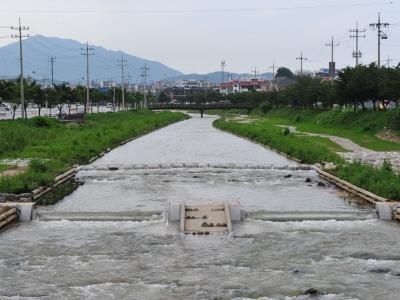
{"x":239,"y":86}
{"x":280,"y":83}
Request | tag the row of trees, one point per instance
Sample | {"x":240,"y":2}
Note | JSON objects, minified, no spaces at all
{"x":353,"y":87}
{"x":63,"y":97}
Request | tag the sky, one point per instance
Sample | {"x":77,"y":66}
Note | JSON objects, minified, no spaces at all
{"x":195,"y":36}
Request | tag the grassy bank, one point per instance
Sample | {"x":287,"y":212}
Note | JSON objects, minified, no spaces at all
{"x":383,"y":182}
{"x":307,"y":149}
{"x":361,"y":127}
{"x":54,"y":147}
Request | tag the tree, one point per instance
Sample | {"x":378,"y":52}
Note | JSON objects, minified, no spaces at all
{"x":284,"y":72}
{"x":163,"y":98}
{"x":37,"y":95}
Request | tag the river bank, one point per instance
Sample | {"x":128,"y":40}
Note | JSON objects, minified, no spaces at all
{"x":47,"y":147}
{"x":383,"y":180}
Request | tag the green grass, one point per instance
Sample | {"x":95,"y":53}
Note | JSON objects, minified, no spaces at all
{"x":307,"y":150}
{"x":361,"y":127}
{"x":55,"y":147}
{"x":323,"y":142}
{"x":3,"y":168}
{"x":380,"y":181}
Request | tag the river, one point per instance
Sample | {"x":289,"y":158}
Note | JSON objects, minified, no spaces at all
{"x":108,"y":239}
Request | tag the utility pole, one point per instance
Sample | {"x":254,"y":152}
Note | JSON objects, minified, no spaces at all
{"x":145,"y":70}
{"x":113,"y":99}
{"x":388,"y":61}
{"x":301,"y":58}
{"x":332,"y":67}
{"x":21,"y":28}
{"x":87,"y":53}
{"x":381,"y":35}
{"x":356,"y":35}
{"x":123,"y":64}
{"x":273,"y":69}
{"x":52,"y":61}
{"x":255,"y":72}
{"x":223,"y":71}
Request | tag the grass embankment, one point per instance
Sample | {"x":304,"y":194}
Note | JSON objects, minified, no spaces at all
{"x":54,"y":147}
{"x":306,"y":149}
{"x":361,"y":127}
{"x":383,"y":182}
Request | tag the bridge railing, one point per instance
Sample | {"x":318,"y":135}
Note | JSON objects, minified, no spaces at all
{"x":202,"y":106}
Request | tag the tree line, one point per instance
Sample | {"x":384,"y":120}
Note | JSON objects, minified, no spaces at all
{"x":353,"y":87}
{"x":62,"y":97}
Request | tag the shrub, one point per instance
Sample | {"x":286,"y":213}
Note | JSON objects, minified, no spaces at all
{"x":39,"y":166}
{"x":42,"y":122}
{"x":286,"y":131}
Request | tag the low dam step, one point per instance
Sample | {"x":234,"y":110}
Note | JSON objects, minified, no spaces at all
{"x":117,"y":167}
{"x":205,"y":218}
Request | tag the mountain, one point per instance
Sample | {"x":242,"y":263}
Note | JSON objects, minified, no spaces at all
{"x":216,"y":77}
{"x":70,"y":65}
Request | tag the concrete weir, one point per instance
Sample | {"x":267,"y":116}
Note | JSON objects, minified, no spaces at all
{"x":11,"y":212}
{"x":205,"y":218}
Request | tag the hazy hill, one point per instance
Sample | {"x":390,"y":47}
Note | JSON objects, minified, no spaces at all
{"x":70,"y":64}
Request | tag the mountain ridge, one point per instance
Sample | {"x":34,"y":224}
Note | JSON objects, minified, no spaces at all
{"x":70,"y":65}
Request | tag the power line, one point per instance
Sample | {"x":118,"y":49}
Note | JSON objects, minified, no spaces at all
{"x":88,"y":52}
{"x":122,"y":64}
{"x":19,"y":35}
{"x":211,"y":10}
{"x":357,"y":33}
{"x":381,"y":35}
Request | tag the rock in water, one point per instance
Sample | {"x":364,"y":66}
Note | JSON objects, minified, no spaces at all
{"x":311,"y":291}
{"x":380,"y":270}
{"x":321,"y":184}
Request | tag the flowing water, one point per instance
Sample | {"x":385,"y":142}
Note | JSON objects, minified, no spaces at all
{"x":108,"y":239}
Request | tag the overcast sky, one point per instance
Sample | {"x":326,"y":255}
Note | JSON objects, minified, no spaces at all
{"x":194,"y":36}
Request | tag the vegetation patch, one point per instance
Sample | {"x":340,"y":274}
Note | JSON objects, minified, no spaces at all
{"x":54,"y":147}
{"x":381,"y":181}
{"x":360,"y":127}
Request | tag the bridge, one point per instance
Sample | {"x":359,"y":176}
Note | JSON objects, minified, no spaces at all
{"x":200,"y":106}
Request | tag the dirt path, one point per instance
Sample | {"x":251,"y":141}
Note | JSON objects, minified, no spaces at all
{"x":13,"y":171}
{"x":356,"y":152}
